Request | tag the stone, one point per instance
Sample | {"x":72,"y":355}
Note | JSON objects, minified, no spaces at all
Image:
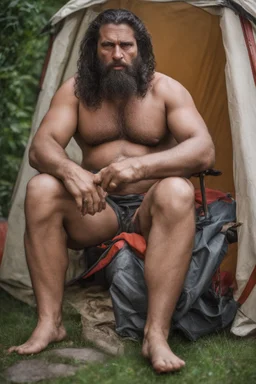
{"x":82,"y":355}
{"x":31,"y":371}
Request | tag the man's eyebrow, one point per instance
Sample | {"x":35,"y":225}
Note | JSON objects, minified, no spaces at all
{"x":124,"y":42}
{"x":128,"y":42}
{"x":106,"y":42}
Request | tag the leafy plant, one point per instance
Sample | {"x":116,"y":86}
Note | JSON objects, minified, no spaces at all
{"x":22,"y":52}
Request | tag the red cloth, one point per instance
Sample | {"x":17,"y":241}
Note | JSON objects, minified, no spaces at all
{"x":222,"y":282}
{"x":3,"y":232}
{"x":137,"y":242}
{"x":211,"y":195}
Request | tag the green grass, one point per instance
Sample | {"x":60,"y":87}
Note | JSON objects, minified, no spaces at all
{"x":219,"y":358}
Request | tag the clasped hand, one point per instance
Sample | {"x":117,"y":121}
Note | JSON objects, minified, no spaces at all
{"x":90,"y":191}
{"x":114,"y":175}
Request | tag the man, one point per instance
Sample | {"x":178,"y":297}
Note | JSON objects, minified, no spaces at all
{"x":140,"y":135}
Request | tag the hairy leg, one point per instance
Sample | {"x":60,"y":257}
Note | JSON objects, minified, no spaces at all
{"x":52,"y":220}
{"x":166,"y":219}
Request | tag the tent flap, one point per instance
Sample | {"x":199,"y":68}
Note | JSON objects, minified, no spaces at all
{"x":242,"y":95}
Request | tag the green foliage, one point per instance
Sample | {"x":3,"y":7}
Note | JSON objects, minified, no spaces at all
{"x":22,"y":52}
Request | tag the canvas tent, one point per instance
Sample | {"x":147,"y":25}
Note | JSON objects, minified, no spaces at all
{"x":209,"y":47}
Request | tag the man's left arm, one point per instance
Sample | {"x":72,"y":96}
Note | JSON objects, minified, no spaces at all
{"x":193,"y":153}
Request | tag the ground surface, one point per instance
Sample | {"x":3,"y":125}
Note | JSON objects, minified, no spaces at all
{"x":215,"y":359}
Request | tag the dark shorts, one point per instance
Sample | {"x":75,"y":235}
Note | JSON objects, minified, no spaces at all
{"x":125,"y":208}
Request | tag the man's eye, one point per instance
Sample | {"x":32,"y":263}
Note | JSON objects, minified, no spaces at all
{"x":107,"y":45}
{"x":126,"y":45}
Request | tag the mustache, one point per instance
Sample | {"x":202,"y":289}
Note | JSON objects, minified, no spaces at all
{"x":116,"y":64}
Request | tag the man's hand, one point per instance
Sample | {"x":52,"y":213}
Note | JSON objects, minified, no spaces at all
{"x":89,"y":197}
{"x":125,"y":171}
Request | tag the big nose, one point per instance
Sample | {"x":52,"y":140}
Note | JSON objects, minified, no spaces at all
{"x":117,"y":54}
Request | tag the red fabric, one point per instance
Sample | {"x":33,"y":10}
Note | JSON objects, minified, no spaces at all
{"x":137,"y":242}
{"x":3,"y":232}
{"x":250,"y":43}
{"x":222,"y":282}
{"x":211,"y":196}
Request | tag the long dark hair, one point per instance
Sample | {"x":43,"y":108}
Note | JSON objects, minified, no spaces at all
{"x":87,"y":87}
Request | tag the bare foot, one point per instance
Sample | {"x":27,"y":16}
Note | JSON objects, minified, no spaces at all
{"x":44,"y":334}
{"x":157,"y":350}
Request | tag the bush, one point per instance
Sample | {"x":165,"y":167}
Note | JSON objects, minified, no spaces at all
{"x":22,"y":52}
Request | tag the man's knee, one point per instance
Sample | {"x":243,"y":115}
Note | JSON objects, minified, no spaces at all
{"x":42,"y":186}
{"x":173,"y":194}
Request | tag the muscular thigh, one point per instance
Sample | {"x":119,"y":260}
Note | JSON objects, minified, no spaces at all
{"x":49,"y":204}
{"x":85,"y":231}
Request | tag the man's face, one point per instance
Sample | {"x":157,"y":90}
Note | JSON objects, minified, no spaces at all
{"x":119,"y":62}
{"x":117,"y":46}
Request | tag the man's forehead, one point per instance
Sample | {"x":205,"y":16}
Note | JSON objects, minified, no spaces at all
{"x":116,"y":31}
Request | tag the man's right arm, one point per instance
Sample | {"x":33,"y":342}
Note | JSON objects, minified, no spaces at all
{"x":47,"y":152}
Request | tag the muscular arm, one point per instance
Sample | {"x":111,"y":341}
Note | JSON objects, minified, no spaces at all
{"x":47,"y":151}
{"x":193,"y":153}
{"x":195,"y":150}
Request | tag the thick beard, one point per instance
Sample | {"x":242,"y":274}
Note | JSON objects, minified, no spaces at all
{"x":119,"y":84}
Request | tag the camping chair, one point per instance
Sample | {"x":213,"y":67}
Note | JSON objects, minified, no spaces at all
{"x":231,"y":232}
{"x":201,"y":175}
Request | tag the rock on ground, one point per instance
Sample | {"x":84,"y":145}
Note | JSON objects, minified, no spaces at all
{"x":31,"y":371}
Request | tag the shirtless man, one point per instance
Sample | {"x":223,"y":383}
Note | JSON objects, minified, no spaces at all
{"x":141,"y":132}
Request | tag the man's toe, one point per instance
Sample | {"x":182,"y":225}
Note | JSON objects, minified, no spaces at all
{"x":12,"y":349}
{"x":176,"y":366}
{"x":162,"y":366}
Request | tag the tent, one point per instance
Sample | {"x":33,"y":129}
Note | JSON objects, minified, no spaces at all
{"x":207,"y":45}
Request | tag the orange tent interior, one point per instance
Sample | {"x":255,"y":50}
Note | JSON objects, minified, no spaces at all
{"x":188,"y":47}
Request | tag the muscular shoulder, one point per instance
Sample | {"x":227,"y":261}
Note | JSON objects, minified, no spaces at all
{"x":66,"y":93}
{"x":173,"y":93}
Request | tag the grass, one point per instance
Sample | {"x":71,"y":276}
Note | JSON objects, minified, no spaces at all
{"x":218,"y":358}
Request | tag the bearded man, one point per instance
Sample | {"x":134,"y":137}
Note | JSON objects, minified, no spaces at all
{"x":141,"y":137}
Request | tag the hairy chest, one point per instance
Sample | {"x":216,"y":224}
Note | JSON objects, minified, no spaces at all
{"x":141,"y":122}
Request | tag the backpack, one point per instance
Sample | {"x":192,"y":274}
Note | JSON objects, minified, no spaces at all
{"x":201,"y":309}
